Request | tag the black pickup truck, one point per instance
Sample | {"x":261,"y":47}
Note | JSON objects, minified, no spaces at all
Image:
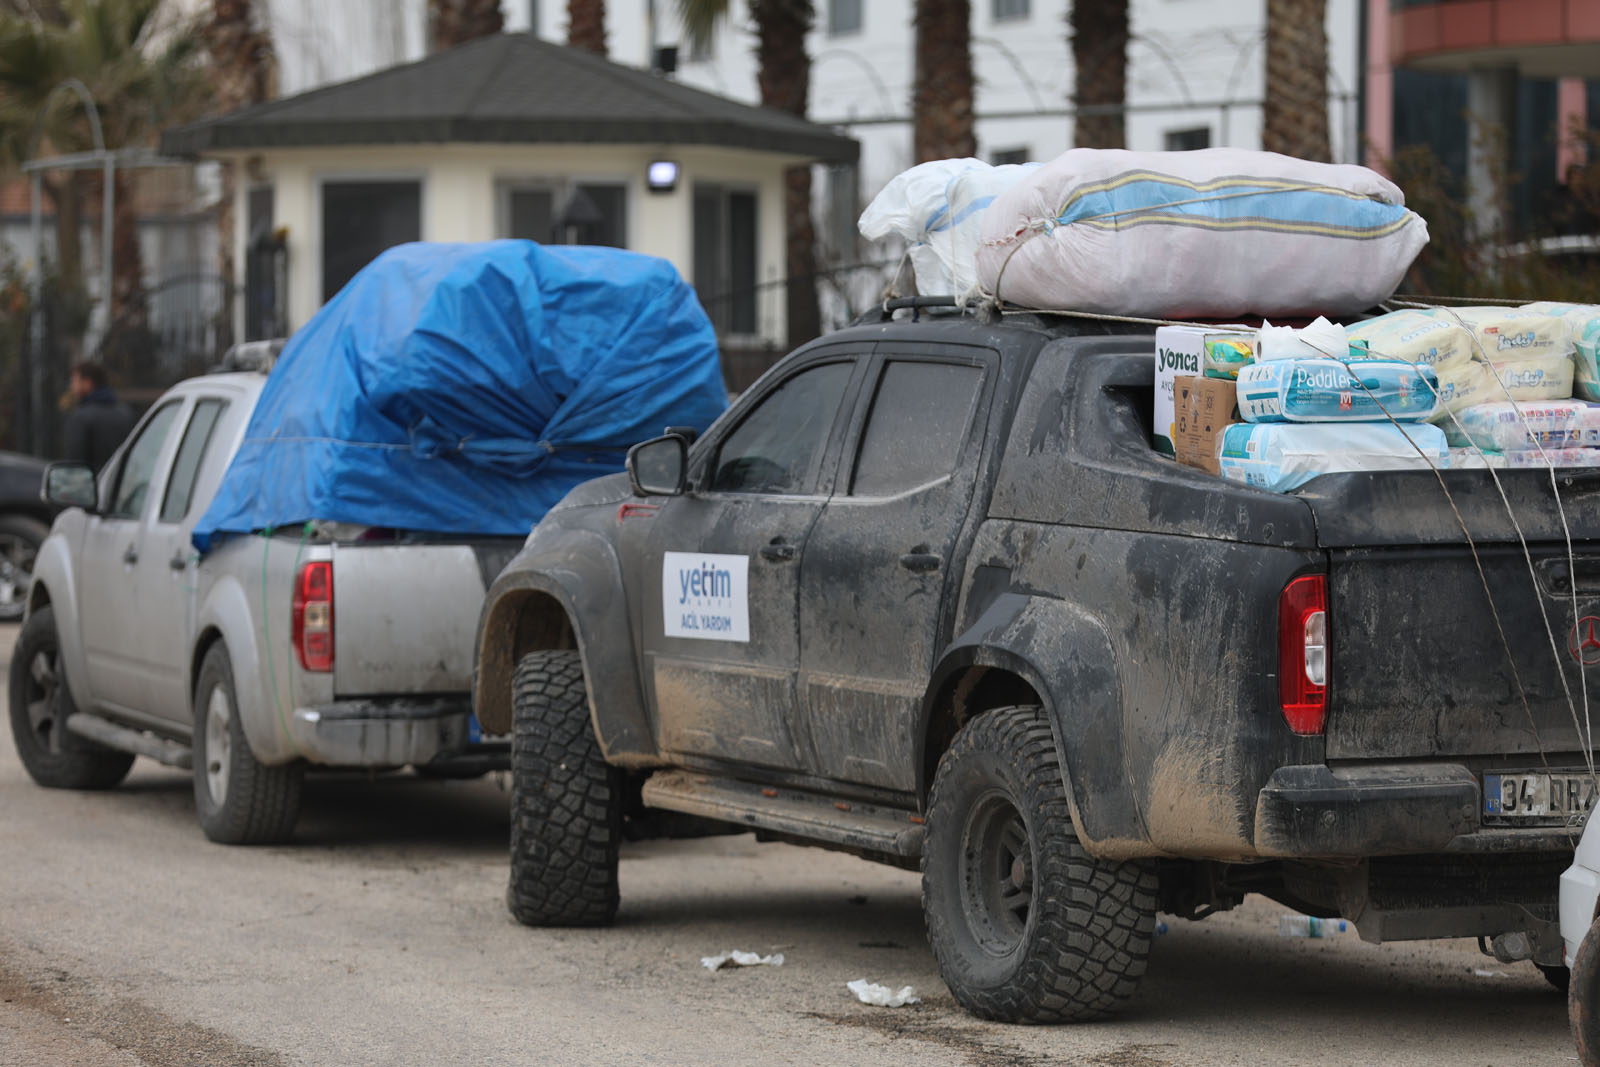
{"x":926,"y":593}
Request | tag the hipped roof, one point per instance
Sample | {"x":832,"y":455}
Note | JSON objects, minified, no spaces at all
{"x":510,"y":88}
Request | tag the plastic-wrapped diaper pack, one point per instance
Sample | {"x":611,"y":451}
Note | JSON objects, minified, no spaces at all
{"x":1534,"y":378}
{"x":1331,"y":390}
{"x":1466,"y":384}
{"x":1554,"y":457}
{"x":1507,"y":427}
{"x":1284,"y":456}
{"x":1584,"y":320}
{"x":1416,"y":336}
{"x":1514,"y":333}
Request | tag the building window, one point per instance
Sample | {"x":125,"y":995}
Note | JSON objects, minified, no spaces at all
{"x":565,"y":213}
{"x":1006,"y":10}
{"x":362,"y":219}
{"x":1007,"y":156}
{"x":844,"y":16}
{"x":725,"y":269}
{"x":1188,"y":140}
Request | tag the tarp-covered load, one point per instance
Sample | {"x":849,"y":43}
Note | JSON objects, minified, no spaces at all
{"x":465,"y":388}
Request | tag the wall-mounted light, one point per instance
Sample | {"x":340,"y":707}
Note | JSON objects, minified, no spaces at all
{"x":662,"y":176}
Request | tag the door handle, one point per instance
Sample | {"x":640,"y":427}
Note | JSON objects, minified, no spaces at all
{"x":131,"y":556}
{"x":778,"y":551}
{"x":920,"y":561}
{"x":179,"y":562}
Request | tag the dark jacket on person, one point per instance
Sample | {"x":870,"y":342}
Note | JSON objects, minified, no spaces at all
{"x":95,"y":428}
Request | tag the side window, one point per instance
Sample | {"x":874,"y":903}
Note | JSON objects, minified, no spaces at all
{"x":191,"y":453}
{"x":139,"y":463}
{"x":779,"y":445}
{"x":919,"y":418}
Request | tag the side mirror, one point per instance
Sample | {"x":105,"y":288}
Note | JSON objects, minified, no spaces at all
{"x":70,"y":485}
{"x":658,"y":467}
{"x":689,"y":434}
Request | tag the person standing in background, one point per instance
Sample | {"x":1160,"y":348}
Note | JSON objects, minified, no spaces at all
{"x":97,"y":425}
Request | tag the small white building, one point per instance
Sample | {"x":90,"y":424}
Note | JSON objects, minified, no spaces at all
{"x":511,"y":136}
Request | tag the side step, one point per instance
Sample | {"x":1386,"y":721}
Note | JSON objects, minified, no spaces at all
{"x":126,"y":739}
{"x":789,"y":812}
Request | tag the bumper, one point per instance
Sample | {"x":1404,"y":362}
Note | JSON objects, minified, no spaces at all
{"x":1356,"y":812}
{"x":382,"y":732}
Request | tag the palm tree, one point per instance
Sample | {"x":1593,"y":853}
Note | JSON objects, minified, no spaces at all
{"x":140,"y":75}
{"x":1295,"y":115}
{"x":243,"y":72}
{"x":784,"y":78}
{"x":586,"y":25}
{"x":941,"y":101}
{"x":453,"y":22}
{"x":1100,"y":72}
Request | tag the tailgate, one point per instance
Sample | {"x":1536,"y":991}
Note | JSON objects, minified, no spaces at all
{"x":406,"y":615}
{"x":1419,"y":666}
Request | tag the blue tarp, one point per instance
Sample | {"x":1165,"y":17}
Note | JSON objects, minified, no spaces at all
{"x":464,"y":388}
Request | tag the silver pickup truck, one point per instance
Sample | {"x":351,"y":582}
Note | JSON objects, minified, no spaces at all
{"x":317,"y":645}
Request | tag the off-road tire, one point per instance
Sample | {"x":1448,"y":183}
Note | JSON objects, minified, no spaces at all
{"x":566,"y":802}
{"x":41,"y":703}
{"x":1026,"y":926}
{"x":1583,"y":998}
{"x":258,"y":804}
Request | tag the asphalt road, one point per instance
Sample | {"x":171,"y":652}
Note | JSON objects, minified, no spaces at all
{"x":380,"y":937}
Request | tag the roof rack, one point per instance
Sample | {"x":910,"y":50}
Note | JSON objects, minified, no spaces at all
{"x":257,"y":356}
{"x":884,"y":311}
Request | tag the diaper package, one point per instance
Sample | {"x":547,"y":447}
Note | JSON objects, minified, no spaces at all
{"x":1555,"y":457}
{"x":1514,"y":333}
{"x":1330,"y":390}
{"x":1416,"y":336}
{"x":1283,"y":457}
{"x":1470,"y":459}
{"x":1227,"y":353}
{"x":1542,"y":377}
{"x":1508,"y":427}
{"x":1584,"y":320}
{"x":1465,"y":384}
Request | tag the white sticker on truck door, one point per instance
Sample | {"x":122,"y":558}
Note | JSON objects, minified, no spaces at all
{"x":705,"y":596}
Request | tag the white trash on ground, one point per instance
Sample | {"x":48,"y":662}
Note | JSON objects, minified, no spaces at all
{"x":735,"y":958}
{"x":881,"y":995}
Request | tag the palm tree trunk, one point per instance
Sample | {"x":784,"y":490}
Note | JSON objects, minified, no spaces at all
{"x":1295,"y":116}
{"x":941,"y":102}
{"x":586,"y":25}
{"x":453,"y":22}
{"x":1100,"y":72}
{"x":784,"y":77}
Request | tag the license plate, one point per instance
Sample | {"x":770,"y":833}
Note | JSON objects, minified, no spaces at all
{"x":1538,"y":798}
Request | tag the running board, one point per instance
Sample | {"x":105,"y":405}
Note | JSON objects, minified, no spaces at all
{"x":126,"y":739}
{"x":789,"y":812}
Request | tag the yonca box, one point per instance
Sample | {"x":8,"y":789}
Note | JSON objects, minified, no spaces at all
{"x":1181,"y":350}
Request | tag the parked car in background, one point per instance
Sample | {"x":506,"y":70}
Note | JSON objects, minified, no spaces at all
{"x":24,"y":522}
{"x":322,"y":644}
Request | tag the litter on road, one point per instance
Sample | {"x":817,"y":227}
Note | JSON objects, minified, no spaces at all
{"x":734,"y":958}
{"x":881,"y":995}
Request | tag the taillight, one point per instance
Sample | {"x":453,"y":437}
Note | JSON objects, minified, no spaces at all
{"x":1303,"y":653}
{"x":313,"y":616}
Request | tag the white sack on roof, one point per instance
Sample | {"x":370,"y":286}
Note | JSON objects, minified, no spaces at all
{"x":1219,"y":233}
{"x":936,"y":208}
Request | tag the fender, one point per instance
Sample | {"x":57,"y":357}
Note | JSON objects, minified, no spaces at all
{"x":226,"y":614}
{"x":578,"y":569}
{"x":56,"y":583}
{"x":1066,"y":654}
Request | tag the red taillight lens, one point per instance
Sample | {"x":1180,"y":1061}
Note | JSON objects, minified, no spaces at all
{"x":1303,"y":653}
{"x":313,"y":616}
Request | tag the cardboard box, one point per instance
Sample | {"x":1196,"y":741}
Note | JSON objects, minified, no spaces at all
{"x":1204,"y":407}
{"x":1182,"y":350}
